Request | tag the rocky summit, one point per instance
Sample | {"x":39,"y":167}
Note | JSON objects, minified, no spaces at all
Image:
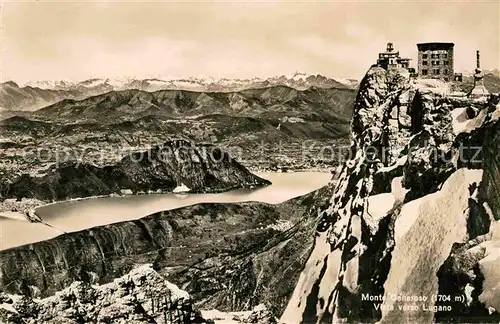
{"x":411,"y":231}
{"x":141,"y":296}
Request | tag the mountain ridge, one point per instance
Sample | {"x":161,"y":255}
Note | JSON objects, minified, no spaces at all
{"x":251,"y":122}
{"x":35,"y":95}
{"x":223,"y":83}
{"x":281,"y":100}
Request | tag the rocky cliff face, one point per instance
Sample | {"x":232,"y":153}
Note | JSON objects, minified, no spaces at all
{"x":410,"y":229}
{"x":202,"y":168}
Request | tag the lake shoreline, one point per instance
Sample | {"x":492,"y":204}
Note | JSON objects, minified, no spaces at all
{"x":80,"y":214}
{"x":28,"y":206}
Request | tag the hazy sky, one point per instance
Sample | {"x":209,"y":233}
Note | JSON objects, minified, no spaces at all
{"x":79,"y":40}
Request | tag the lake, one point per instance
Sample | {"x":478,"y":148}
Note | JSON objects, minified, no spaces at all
{"x":78,"y":215}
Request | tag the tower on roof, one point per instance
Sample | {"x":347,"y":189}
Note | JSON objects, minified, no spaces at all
{"x":390,"y":59}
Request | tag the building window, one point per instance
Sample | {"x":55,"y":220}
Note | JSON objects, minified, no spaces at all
{"x":444,"y":56}
{"x":424,"y":72}
{"x":445,"y":62}
{"x":436,"y":71}
{"x":445,"y":71}
{"x":424,"y":56}
{"x":424,"y":62}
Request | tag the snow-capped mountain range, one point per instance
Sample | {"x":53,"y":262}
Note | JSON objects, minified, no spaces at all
{"x":298,"y":80}
{"x":37,"y":94}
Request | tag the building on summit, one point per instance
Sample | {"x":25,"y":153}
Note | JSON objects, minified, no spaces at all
{"x":435,"y":61}
{"x":390,"y":59}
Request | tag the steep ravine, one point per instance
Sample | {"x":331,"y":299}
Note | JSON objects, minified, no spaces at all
{"x":414,"y":212}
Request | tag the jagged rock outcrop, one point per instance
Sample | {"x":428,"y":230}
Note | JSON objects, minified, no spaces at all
{"x":403,"y":219}
{"x":141,"y":296}
{"x":202,"y":168}
{"x":335,"y":242}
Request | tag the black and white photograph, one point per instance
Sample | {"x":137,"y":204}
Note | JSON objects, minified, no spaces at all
{"x":268,"y":162}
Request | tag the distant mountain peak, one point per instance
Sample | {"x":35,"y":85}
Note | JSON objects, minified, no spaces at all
{"x":10,"y":83}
